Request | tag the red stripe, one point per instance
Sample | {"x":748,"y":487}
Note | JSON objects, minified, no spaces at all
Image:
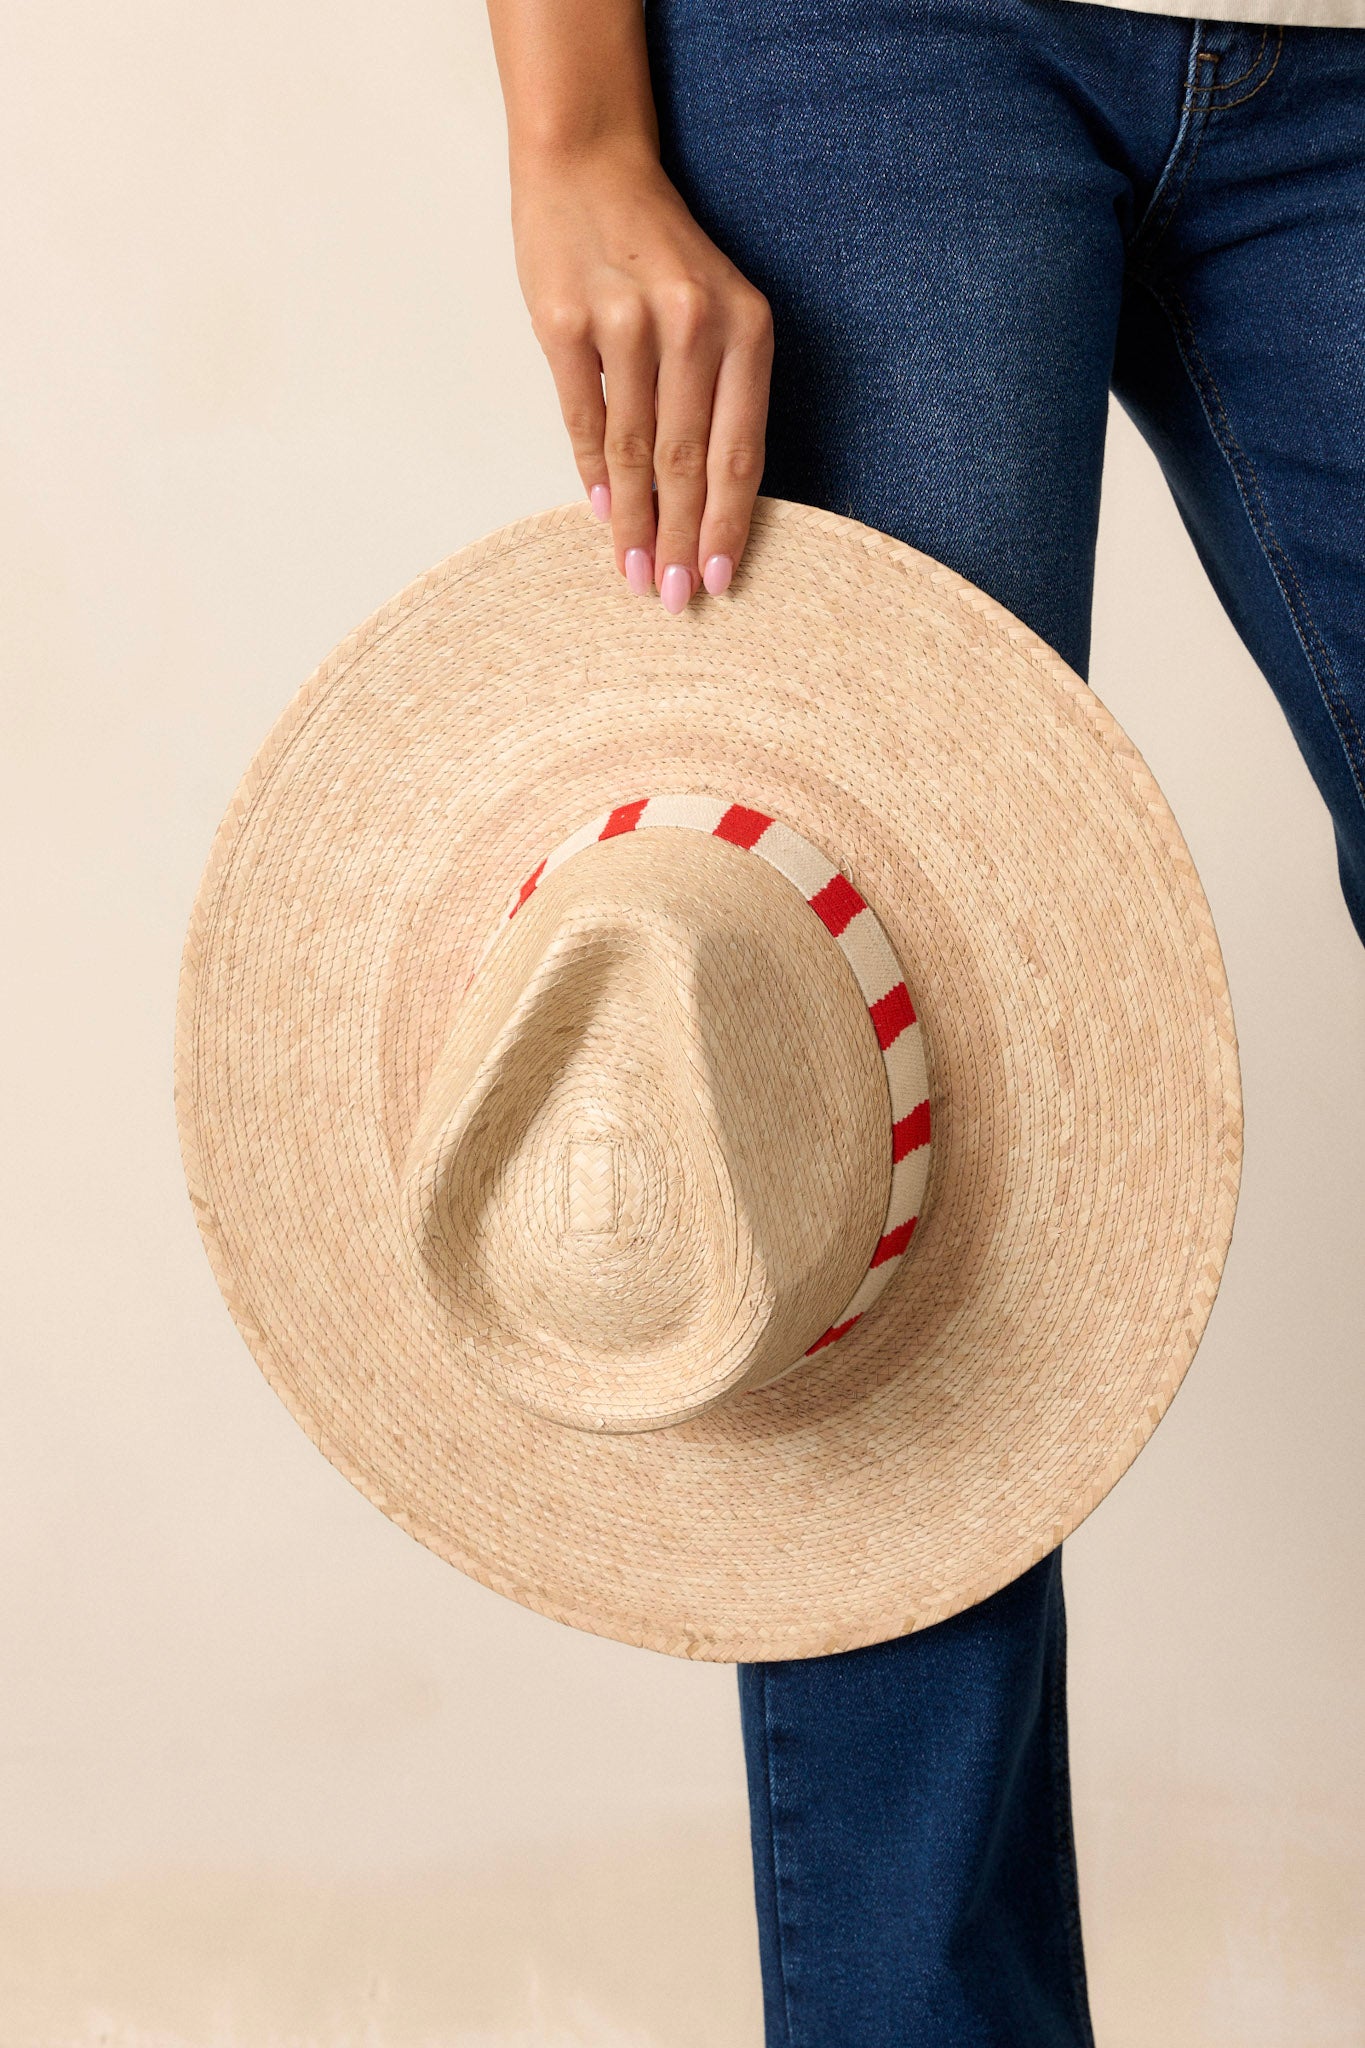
{"x":891,"y":1014}
{"x":894,"y":1243}
{"x":835,"y":1331}
{"x":623,"y":819}
{"x":911,"y":1132}
{"x":527,"y":886}
{"x":837,"y":904}
{"x":741,"y":826}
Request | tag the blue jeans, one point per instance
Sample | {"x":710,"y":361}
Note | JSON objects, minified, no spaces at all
{"x":972,"y":219}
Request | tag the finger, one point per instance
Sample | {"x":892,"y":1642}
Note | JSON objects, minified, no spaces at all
{"x":734,"y":461}
{"x":630,"y":371}
{"x":577,"y":371}
{"x":688,"y":363}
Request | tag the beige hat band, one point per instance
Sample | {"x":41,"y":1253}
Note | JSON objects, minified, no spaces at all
{"x":862,"y":939}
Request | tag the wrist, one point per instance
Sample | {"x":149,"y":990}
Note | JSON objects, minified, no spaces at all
{"x":552,"y":156}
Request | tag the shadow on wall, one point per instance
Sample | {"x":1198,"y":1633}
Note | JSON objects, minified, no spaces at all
{"x":1217,"y":1923}
{"x":644,"y":1943}
{"x":649,"y":1942}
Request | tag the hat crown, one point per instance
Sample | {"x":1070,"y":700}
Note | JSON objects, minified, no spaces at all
{"x":652,"y":1159}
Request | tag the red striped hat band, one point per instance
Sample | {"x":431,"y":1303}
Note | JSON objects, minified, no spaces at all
{"x":858,"y":932}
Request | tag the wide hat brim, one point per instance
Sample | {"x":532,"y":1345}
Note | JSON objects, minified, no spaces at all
{"x":1060,"y":950}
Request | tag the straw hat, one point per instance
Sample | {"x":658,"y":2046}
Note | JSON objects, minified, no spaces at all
{"x":726,"y":1128}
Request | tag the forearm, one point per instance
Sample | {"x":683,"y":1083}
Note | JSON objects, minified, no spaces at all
{"x":575,"y":76}
{"x":660,"y":349}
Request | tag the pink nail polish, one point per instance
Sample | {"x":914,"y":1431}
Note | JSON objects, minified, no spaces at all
{"x":717,"y":573}
{"x":599,"y":497}
{"x":639,"y":571}
{"x":675,"y":587}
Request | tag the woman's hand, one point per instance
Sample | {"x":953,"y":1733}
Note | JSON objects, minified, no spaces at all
{"x":626,"y":291}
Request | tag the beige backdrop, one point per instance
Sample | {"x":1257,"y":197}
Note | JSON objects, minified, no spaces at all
{"x":272,"y":1774}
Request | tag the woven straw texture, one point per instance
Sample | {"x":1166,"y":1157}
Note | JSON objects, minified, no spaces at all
{"x":1082,"y":1070}
{"x":794,"y":1038}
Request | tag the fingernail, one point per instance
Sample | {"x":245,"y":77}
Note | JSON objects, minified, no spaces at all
{"x":717,"y":573}
{"x":599,"y":497}
{"x":639,"y":571}
{"x":675,"y":587}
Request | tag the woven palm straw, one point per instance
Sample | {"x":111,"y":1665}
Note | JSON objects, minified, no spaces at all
{"x":1081,"y":1066}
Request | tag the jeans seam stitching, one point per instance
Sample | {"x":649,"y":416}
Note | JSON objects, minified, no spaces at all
{"x":1204,"y":112}
{"x":1228,"y":84}
{"x":1222,"y":106}
{"x":776,"y":1867}
{"x":1065,"y":1841}
{"x":1344,"y":723}
{"x":1194,"y":113}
